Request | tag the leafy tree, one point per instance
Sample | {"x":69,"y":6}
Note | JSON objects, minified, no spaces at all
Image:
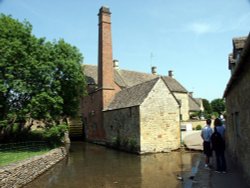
{"x":218,"y":105}
{"x":207,"y":109}
{"x":207,"y":106}
{"x":38,"y":79}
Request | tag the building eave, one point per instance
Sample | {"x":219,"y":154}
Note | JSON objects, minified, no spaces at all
{"x":239,"y":68}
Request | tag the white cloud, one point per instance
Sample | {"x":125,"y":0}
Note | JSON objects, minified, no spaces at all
{"x":220,"y":25}
{"x":202,"y":28}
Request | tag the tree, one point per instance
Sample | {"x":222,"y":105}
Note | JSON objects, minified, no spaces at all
{"x":207,"y":106}
{"x":218,"y":105}
{"x":38,"y":79}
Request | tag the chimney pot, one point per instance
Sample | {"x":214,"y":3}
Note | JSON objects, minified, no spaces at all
{"x":170,"y":73}
{"x":154,"y":70}
{"x":104,"y":9}
{"x":116,"y":64}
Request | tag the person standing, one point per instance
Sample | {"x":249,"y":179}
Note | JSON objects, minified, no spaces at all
{"x":206,"y":134}
{"x":218,"y":145}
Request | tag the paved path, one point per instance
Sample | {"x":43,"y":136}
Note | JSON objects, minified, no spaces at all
{"x":210,"y":179}
{"x":192,"y":140}
{"x":204,"y":178}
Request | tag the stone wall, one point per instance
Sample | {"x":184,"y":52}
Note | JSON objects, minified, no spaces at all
{"x":21,"y":173}
{"x":195,"y":123}
{"x":183,"y":98}
{"x":238,"y":120}
{"x":159,"y":117}
{"x":92,"y":116}
{"x":123,"y":129}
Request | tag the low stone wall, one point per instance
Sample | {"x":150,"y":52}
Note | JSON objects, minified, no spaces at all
{"x":194,"y":123}
{"x":21,"y":173}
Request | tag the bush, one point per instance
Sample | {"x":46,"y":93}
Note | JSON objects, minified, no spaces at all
{"x":55,"y":134}
{"x":198,"y":127}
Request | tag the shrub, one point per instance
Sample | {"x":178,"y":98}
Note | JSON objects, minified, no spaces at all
{"x":55,"y":134}
{"x":198,"y":127}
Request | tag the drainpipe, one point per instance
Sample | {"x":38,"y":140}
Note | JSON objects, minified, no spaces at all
{"x":180,"y":123}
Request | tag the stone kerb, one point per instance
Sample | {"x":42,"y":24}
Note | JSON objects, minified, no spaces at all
{"x":21,"y":173}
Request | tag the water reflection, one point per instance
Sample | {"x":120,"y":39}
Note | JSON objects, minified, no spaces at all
{"x":90,"y":165}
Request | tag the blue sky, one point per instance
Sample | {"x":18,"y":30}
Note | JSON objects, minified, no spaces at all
{"x":193,"y":38}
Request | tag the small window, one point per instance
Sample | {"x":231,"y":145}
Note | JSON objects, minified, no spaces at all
{"x":180,"y":116}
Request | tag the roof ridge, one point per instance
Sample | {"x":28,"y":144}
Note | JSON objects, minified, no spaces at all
{"x":129,"y":78}
{"x":136,"y":71}
{"x":132,"y":96}
{"x":124,"y":70}
{"x":194,"y":100}
{"x":157,"y":78}
{"x":117,"y":71}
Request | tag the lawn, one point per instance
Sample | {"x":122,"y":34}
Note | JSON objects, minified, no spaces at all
{"x":7,"y":157}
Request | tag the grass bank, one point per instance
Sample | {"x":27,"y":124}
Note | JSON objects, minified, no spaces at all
{"x":8,"y":157}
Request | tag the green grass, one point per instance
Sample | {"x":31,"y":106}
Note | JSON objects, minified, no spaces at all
{"x":8,"y":157}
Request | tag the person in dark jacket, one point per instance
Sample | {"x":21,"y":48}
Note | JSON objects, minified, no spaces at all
{"x":218,"y":145}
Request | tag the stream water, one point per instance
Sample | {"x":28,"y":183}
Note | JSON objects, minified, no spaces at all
{"x":94,"y":166}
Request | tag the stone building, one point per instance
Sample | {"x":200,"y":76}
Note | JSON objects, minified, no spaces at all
{"x":133,"y":110}
{"x":237,"y":104}
{"x":140,"y":118}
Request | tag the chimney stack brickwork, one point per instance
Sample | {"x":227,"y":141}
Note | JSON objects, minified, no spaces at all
{"x":105,"y":59}
{"x":94,"y":104}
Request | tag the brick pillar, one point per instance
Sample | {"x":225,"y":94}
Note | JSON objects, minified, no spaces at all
{"x":105,"y":59}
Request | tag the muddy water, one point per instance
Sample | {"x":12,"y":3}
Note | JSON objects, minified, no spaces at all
{"x":90,"y":165}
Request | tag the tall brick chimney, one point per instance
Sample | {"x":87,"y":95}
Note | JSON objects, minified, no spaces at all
{"x":105,"y":59}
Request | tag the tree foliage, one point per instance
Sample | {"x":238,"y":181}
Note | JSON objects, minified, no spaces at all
{"x":38,"y":79}
{"x":218,"y":105}
{"x":207,"y":106}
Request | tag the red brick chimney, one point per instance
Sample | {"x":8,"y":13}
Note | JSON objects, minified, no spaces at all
{"x":105,"y":59}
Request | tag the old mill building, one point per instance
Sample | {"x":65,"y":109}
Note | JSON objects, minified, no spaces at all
{"x":131,"y":110}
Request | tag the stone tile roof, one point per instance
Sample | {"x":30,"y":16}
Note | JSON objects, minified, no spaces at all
{"x":174,"y":85}
{"x":126,"y":78}
{"x":133,"y":78}
{"x":90,"y":72}
{"x":239,"y":42}
{"x":241,"y":66}
{"x":193,"y":104}
{"x":119,"y":79}
{"x":132,"y":96}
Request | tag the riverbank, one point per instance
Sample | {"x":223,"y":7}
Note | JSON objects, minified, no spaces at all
{"x":20,"y":173}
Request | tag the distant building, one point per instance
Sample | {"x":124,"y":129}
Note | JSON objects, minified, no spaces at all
{"x":237,"y":95}
{"x":131,"y":110}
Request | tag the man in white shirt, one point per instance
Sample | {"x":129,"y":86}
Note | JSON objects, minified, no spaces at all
{"x":206,"y":133}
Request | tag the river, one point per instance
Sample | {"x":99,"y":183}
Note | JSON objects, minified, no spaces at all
{"x":93,"y":166}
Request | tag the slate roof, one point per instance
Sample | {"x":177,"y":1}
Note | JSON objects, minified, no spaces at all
{"x":126,"y":78}
{"x":132,"y":96}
